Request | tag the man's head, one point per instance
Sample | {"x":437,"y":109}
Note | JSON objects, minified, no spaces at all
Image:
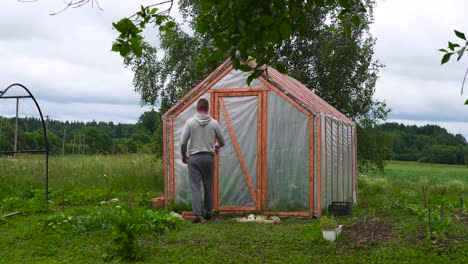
{"x":203,"y":106}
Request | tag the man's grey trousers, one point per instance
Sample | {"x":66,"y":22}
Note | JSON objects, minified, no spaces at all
{"x":201,"y":170}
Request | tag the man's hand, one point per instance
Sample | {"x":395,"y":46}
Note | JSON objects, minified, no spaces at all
{"x":217,"y":148}
{"x":185,"y":159}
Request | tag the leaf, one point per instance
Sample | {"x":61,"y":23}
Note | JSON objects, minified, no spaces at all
{"x":265,"y":20}
{"x":320,"y":3}
{"x":446,"y":58}
{"x":451,"y":46}
{"x":245,"y":67}
{"x":170,"y":24}
{"x":345,"y":4}
{"x":116,"y":47}
{"x":466,"y":102}
{"x":356,"y":20}
{"x":285,"y":30}
{"x":280,"y":67}
{"x":443,"y":50}
{"x":460,"y":34}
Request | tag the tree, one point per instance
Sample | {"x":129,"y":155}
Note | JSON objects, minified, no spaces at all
{"x":340,"y":68}
{"x":150,"y":121}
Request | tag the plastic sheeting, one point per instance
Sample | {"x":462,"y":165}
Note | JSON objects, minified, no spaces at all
{"x":328,"y":162}
{"x":181,"y":178}
{"x":237,"y":79}
{"x":233,"y":188}
{"x":287,"y":156}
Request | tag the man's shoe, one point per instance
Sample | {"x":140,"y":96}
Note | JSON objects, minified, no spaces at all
{"x":207,"y":216}
{"x":197,"y":220}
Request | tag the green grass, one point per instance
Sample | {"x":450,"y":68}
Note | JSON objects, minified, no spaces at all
{"x":383,"y":197}
{"x":82,"y":179}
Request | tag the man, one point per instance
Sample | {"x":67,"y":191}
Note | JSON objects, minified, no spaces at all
{"x":198,"y":142}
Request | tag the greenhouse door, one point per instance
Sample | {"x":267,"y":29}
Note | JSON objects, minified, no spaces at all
{"x":236,"y":184}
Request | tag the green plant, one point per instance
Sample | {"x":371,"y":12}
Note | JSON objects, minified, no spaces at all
{"x":328,"y":223}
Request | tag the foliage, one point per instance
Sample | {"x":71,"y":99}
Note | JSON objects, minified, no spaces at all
{"x":338,"y":67}
{"x":293,"y":240}
{"x":239,"y":29}
{"x":126,"y":223}
{"x":429,"y":143}
{"x":374,"y":148}
{"x":77,"y":180}
{"x":435,"y":214}
{"x":86,"y":138}
{"x":328,"y":222}
{"x":459,"y":49}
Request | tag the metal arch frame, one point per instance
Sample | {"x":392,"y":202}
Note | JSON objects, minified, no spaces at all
{"x":46,"y":138}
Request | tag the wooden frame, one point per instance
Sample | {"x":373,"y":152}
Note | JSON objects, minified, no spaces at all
{"x":317,"y":138}
{"x":319,"y":165}
{"x":204,"y":90}
{"x":291,"y":101}
{"x":238,"y":151}
{"x":229,"y":90}
{"x":264,"y":139}
{"x":166,"y":176}
{"x":338,"y":161}
{"x":260,"y":139}
{"x":171,"y":128}
{"x":311,"y":165}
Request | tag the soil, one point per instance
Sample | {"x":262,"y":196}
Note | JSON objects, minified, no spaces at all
{"x":368,"y":233}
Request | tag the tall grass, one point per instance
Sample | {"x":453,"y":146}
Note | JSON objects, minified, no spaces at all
{"x":82,"y":178}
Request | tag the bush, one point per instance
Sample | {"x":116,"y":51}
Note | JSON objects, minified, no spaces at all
{"x":328,"y":223}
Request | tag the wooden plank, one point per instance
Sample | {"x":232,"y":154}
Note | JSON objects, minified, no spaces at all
{"x":326,"y":162}
{"x":338,"y":161}
{"x":229,"y":90}
{"x":237,"y":208}
{"x":216,"y":169}
{"x":259,"y":151}
{"x":200,"y":93}
{"x":171,"y":127}
{"x":236,"y":94}
{"x":319,"y":165}
{"x":311,"y":164}
{"x":288,"y":213}
{"x":264,"y":149}
{"x":238,"y":150}
{"x":287,"y":98}
{"x":331,"y":161}
{"x":194,"y":89}
{"x":165,"y":162}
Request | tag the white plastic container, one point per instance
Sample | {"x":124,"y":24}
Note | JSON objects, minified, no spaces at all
{"x":331,"y":235}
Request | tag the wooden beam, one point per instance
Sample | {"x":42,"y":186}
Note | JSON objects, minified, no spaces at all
{"x":287,"y":98}
{"x":238,"y":151}
{"x":207,"y":79}
{"x":331,"y":161}
{"x":216,"y":169}
{"x":264,"y":144}
{"x":237,"y":208}
{"x":311,"y":164}
{"x":338,"y":161}
{"x":200,"y":93}
{"x":319,"y":165}
{"x":236,"y":94}
{"x":171,"y":139}
{"x":165,"y":174}
{"x":259,"y":151}
{"x":229,"y":90}
{"x":288,"y":213}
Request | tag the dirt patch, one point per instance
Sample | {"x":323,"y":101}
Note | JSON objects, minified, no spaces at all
{"x":368,"y":233}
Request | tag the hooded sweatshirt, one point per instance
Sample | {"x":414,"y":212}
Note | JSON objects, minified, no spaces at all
{"x":199,"y":134}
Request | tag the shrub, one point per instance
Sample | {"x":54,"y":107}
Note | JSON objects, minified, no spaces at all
{"x":328,"y":223}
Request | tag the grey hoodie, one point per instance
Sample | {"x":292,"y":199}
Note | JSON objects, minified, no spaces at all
{"x":199,"y":134}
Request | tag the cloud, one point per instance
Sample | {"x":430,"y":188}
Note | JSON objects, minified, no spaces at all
{"x":66,"y":59}
{"x":413,"y":83}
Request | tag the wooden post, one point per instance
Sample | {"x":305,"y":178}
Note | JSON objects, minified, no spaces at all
{"x":16,"y":127}
{"x":319,"y":165}
{"x":311,"y":165}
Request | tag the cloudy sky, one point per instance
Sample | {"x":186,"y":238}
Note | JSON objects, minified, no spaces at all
{"x":67,"y":62}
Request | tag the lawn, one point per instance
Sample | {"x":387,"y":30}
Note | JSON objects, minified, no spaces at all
{"x":389,"y":224}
